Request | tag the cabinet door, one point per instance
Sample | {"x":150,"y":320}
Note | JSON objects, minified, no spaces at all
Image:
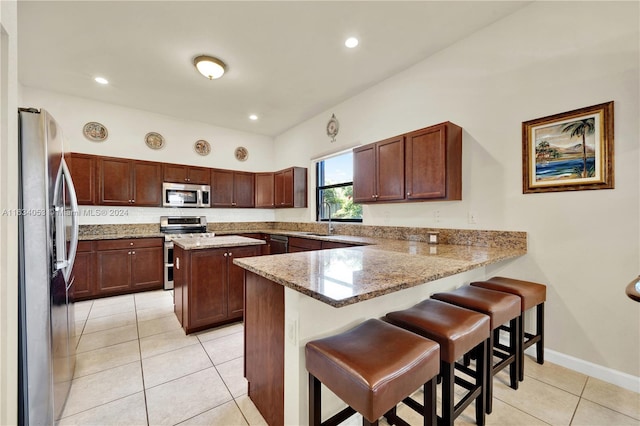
{"x":147,"y":178}
{"x":147,"y":268}
{"x":179,"y":283}
{"x":199,"y":175}
{"x":434,"y":163}
{"x":390,"y":169}
{"x":83,"y":173}
{"x":243,"y":183}
{"x":114,"y":181}
{"x":113,"y":271}
{"x":235,"y":308}
{"x":207,"y":292}
{"x":364,"y":174}
{"x":176,"y":173}
{"x":426,"y":164}
{"x":284,"y":188}
{"x":221,"y":188}
{"x":264,"y":190}
{"x":83,"y":272}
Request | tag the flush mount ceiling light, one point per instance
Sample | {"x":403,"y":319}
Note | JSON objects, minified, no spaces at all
{"x":101,"y":80}
{"x":351,"y":42}
{"x":209,"y":66}
{"x":253,"y":117}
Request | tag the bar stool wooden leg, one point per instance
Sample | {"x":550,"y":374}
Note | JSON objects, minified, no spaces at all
{"x":315,"y":399}
{"x":540,"y":332}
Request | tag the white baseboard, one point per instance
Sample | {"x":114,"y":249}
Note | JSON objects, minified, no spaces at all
{"x":605,"y":374}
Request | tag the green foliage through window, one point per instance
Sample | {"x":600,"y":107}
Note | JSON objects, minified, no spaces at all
{"x":334,"y":193}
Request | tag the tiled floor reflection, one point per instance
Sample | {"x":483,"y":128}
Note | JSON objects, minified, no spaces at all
{"x":135,"y":366}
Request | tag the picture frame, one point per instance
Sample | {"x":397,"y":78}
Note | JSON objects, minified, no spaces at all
{"x":570,"y":151}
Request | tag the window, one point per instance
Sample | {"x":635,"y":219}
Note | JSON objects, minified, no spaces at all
{"x":334,"y":191}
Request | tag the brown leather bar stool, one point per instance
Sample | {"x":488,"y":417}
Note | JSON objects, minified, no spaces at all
{"x":459,"y":331}
{"x":372,"y":368}
{"x":501,"y":308}
{"x":531,"y":295}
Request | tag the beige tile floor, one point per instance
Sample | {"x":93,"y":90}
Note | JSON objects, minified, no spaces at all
{"x":135,"y":366}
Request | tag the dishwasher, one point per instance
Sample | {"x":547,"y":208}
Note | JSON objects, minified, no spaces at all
{"x":279,"y":244}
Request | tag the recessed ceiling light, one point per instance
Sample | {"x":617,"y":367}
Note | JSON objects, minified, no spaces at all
{"x":101,"y":80}
{"x":351,"y":42}
{"x":253,"y":117}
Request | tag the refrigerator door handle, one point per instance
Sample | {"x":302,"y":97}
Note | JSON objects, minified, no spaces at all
{"x":73,"y":247}
{"x":65,"y":261}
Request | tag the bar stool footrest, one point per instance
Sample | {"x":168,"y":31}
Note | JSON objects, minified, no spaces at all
{"x":531,"y":339}
{"x":339,"y":417}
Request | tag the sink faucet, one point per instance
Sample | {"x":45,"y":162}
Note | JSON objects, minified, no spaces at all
{"x":329,"y":228}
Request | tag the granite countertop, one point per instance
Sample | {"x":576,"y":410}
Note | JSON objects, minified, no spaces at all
{"x":198,"y":243}
{"x":343,"y":276}
{"x":378,"y":264}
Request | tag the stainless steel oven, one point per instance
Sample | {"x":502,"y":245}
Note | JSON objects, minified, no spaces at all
{"x":175,"y":227}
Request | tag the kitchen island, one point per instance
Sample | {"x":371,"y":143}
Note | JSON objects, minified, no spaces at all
{"x":208,"y":287}
{"x":293,"y":298}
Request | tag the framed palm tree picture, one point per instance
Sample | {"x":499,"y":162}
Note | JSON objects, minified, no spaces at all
{"x":570,"y":151}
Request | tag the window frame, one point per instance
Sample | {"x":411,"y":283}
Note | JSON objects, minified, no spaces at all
{"x":320,"y":178}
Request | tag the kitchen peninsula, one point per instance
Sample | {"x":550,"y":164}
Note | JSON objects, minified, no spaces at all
{"x":293,"y":298}
{"x":208,"y":287}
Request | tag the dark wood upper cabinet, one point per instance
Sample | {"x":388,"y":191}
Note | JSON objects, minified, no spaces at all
{"x":434,"y":163}
{"x":422,"y":165}
{"x":290,"y":187}
{"x":264,"y":190}
{"x":115,"y":181}
{"x":378,"y":173}
{"x":115,"y":186}
{"x":179,"y":173}
{"x":221,"y":188}
{"x":124,"y":182}
{"x":147,"y":183}
{"x":83,"y":174}
{"x":231,"y":188}
{"x":243,"y":189}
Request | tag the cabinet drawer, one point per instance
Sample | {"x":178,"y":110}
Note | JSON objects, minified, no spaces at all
{"x":305,"y":243}
{"x":128,"y":243}
{"x":85,"y":246}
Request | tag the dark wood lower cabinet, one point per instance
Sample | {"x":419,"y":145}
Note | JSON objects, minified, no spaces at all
{"x":265,"y":249}
{"x":208,"y":287}
{"x":303,"y":244}
{"x":264,"y":346}
{"x":83,"y":271}
{"x":111,"y":267}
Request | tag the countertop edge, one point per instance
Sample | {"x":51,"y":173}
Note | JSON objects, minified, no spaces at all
{"x":379,"y":292}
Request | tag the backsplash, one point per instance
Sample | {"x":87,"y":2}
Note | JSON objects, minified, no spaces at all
{"x":469,"y":237}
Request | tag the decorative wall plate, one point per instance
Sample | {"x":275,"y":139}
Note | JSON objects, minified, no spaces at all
{"x":202,"y":147}
{"x":154,"y":140}
{"x":333,"y":127}
{"x":242,"y":153}
{"x":95,"y":131}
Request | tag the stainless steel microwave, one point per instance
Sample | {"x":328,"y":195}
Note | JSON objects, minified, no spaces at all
{"x":185,"y":195}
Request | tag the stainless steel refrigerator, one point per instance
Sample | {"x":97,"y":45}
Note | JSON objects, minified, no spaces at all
{"x":48,"y":239}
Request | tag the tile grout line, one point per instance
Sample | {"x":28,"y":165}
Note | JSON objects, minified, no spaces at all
{"x":233,"y":398}
{"x":144,"y":389}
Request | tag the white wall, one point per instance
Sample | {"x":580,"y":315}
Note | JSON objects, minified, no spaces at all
{"x":547,"y":58}
{"x":127,"y":128}
{"x":8,"y":223}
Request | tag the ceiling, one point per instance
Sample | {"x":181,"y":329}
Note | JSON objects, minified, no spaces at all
{"x":286,"y":60}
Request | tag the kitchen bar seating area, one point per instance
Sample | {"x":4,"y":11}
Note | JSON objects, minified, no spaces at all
{"x":141,"y":330}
